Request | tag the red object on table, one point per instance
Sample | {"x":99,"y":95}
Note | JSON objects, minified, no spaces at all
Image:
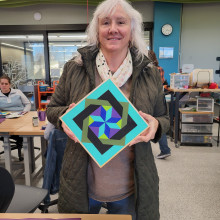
{"x":213,"y":86}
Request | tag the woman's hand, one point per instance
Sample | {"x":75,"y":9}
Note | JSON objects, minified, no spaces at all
{"x":66,"y":129}
{"x":149,"y":134}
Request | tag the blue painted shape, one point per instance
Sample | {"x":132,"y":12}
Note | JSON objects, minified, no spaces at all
{"x":107,"y":130}
{"x":96,"y":124}
{"x":103,"y":113}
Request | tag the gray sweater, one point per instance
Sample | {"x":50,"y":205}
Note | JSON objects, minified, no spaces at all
{"x":15,"y":101}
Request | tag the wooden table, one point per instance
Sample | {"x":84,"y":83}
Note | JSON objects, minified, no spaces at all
{"x":63,"y":216}
{"x":174,"y":125}
{"x":23,"y":127}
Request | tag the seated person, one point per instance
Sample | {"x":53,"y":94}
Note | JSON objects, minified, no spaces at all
{"x":13,"y":100}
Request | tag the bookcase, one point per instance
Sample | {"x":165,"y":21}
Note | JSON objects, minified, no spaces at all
{"x":44,"y":93}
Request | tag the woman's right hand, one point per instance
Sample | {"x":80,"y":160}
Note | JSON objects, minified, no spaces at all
{"x":66,"y":129}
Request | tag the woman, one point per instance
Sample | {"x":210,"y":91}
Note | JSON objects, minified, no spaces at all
{"x":129,"y":182}
{"x":164,"y":149}
{"x":12,"y":99}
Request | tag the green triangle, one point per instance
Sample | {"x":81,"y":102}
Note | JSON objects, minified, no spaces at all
{"x":119,"y":123}
{"x":90,"y":120}
{"x":106,"y":107}
{"x":103,"y":137}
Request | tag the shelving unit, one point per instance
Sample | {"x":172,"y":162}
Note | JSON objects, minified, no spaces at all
{"x":44,"y":96}
{"x":196,"y":128}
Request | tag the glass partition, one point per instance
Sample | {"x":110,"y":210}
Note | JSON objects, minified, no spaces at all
{"x":147,"y":39}
{"x":23,"y":58}
{"x":63,"y":47}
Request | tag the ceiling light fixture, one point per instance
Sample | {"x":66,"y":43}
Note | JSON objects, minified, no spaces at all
{"x":14,"y":36}
{"x":37,"y":16}
{"x":73,"y":36}
{"x":14,"y":46}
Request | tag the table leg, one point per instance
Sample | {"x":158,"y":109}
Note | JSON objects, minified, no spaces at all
{"x":176,"y":119}
{"x":27,"y":161}
{"x":43,"y":150}
{"x":171,"y":116}
{"x":32,"y":154}
{"x":7,"y":153}
{"x":218,"y":126}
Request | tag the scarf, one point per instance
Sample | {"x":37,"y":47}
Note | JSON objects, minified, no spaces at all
{"x":122,"y":74}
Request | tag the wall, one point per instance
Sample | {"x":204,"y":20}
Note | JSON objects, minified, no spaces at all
{"x":51,"y":14}
{"x":60,"y":14}
{"x":200,"y":37}
{"x":167,"y":13}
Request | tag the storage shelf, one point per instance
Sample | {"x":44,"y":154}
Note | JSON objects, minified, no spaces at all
{"x":44,"y":94}
{"x":193,"y":131}
{"x":47,"y":92}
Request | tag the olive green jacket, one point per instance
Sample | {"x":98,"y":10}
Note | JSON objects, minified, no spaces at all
{"x":146,"y":93}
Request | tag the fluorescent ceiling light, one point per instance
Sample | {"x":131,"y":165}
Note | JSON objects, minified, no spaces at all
{"x":63,"y":45}
{"x":14,"y":36}
{"x":67,"y":45}
{"x":14,"y":46}
{"x":52,"y":37}
{"x":36,"y":45}
{"x":73,"y":36}
{"x":35,"y":36}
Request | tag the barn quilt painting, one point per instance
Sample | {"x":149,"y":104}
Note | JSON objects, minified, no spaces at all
{"x":104,"y":122}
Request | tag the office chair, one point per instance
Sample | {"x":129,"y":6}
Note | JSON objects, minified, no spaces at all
{"x":16,"y":143}
{"x":16,"y":198}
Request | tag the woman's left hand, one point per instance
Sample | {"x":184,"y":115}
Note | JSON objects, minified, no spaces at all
{"x":149,"y":134}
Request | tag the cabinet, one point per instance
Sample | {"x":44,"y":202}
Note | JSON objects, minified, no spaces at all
{"x":196,"y":128}
{"x":44,"y":93}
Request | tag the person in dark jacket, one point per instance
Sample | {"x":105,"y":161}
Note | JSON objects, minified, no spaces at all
{"x":164,"y":149}
{"x":129,"y":183}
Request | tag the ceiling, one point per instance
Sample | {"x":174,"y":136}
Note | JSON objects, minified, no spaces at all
{"x":21,"y":3}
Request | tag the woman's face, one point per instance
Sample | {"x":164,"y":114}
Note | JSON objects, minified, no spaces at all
{"x":115,"y":32}
{"x":5,"y":86}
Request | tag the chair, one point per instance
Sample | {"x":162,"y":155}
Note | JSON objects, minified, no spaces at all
{"x":16,"y":198}
{"x":16,"y":143}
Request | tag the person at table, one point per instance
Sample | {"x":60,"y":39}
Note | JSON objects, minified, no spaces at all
{"x":12,"y":99}
{"x":129,"y":183}
{"x":163,"y":144}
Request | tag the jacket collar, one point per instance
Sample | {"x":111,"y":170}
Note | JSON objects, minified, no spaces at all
{"x":89,"y":53}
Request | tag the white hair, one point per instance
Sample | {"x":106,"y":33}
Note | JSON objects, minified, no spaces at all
{"x":107,"y":7}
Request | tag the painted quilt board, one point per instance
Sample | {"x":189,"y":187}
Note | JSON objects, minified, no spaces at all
{"x":104,"y":122}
